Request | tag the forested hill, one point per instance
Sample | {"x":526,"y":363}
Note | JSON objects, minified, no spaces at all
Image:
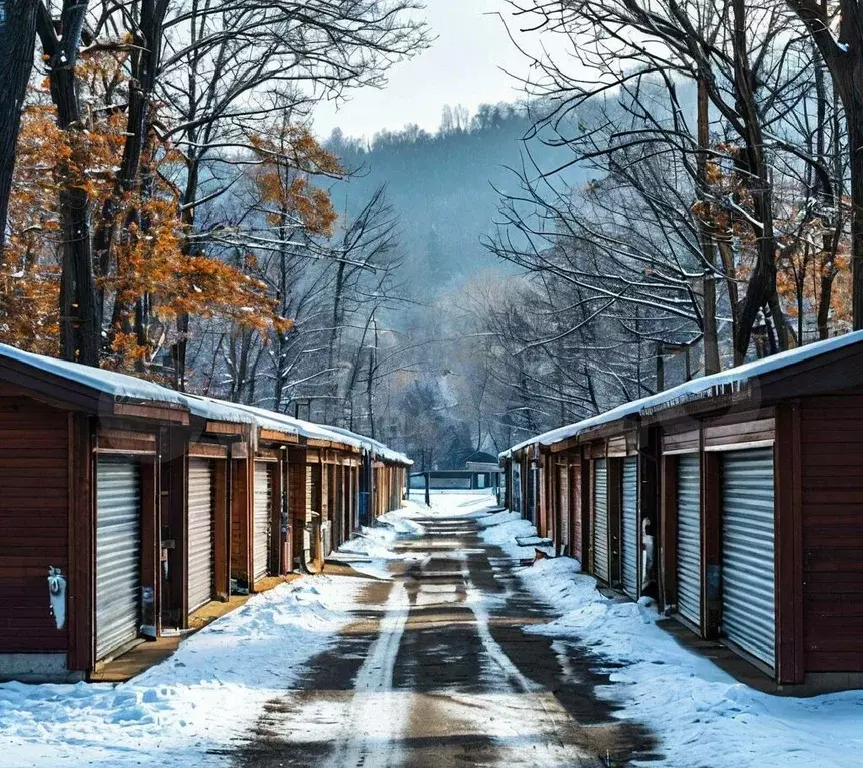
{"x":442,"y":186}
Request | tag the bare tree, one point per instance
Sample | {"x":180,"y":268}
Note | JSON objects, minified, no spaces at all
{"x":17,"y":41}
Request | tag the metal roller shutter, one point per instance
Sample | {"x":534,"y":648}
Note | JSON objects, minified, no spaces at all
{"x":516,"y":487}
{"x":563,"y":506}
{"x":629,"y":543}
{"x":748,"y":588}
{"x":262,"y":514}
{"x":600,"y":519}
{"x":689,"y":538}
{"x":201,"y":528}
{"x":118,"y":555}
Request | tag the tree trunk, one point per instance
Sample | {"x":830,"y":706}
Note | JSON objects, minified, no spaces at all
{"x":844,"y":59}
{"x":79,"y":320}
{"x":17,"y":42}
{"x":708,"y":246}
{"x":762,"y":285}
{"x":145,"y":67}
{"x":79,"y":324}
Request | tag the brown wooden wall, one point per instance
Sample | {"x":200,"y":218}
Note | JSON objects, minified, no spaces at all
{"x":34,"y":518}
{"x":240,"y":511}
{"x":831,"y":432}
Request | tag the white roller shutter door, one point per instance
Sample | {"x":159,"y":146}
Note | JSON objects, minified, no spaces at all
{"x":689,"y":538}
{"x":201,"y":529}
{"x":600,"y":519}
{"x":118,"y":555}
{"x":262,"y":516}
{"x":748,"y":587}
{"x":629,"y":543}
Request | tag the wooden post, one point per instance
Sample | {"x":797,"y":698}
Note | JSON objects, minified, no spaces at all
{"x":240,"y":508}
{"x":615,"y":478}
{"x":788,"y":522}
{"x":274,"y":556}
{"x":82,"y":551}
{"x":150,"y":547}
{"x":222,"y":532}
{"x":668,"y":530}
{"x":174,"y":522}
{"x":711,"y":543}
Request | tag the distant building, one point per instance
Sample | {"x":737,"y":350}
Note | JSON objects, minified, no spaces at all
{"x":481,"y":472}
{"x":482,"y":462}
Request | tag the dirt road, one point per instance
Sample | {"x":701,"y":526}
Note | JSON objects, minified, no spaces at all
{"x":438,"y":671}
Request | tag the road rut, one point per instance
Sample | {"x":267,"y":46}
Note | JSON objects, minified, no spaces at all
{"x":438,"y":671}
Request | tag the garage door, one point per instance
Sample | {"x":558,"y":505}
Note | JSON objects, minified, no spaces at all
{"x":600,"y":519}
{"x":201,"y":529}
{"x":563,"y":509}
{"x":689,"y":538}
{"x":516,"y":487}
{"x":262,"y":517}
{"x":748,"y":589}
{"x":118,"y":555}
{"x":629,"y":527}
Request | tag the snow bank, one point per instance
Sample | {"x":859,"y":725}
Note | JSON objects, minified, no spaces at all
{"x":703,"y":716}
{"x":503,"y":529}
{"x":205,"y":696}
{"x":371,"y":553}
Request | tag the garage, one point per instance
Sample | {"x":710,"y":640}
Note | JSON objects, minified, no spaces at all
{"x":261,"y":522}
{"x":600,"y":519}
{"x":689,"y":538}
{"x":748,"y":586}
{"x":118,"y":555}
{"x":200,"y":565}
{"x":629,"y":527}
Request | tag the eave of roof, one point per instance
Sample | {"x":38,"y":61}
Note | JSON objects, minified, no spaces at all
{"x":730,"y":382}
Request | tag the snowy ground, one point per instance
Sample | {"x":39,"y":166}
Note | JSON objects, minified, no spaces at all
{"x":198,"y":703}
{"x":703,"y":716}
{"x":200,"y":699}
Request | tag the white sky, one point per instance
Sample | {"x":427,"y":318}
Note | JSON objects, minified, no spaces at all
{"x":463,"y":66}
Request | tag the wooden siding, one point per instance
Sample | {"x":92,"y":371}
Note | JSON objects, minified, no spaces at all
{"x":297,"y":504}
{"x":688,"y":441}
{"x":738,"y":435}
{"x":240,"y":520}
{"x":34,"y":521}
{"x":831,"y":432}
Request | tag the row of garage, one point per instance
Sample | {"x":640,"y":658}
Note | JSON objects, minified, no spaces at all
{"x":734,"y":500}
{"x":126,"y":507}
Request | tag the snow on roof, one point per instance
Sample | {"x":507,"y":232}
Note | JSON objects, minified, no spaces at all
{"x":117,"y":385}
{"x":691,"y":390}
{"x":121,"y":386}
{"x":374,"y":446}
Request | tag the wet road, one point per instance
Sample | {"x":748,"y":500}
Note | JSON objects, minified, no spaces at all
{"x":438,"y":671}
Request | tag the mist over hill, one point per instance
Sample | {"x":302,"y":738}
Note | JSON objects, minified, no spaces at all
{"x":445,"y":187}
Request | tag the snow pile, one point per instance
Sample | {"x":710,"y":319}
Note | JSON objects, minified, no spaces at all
{"x":401,"y":524}
{"x":204,"y":697}
{"x":703,"y":716}
{"x":371,"y":551}
{"x":503,"y":529}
